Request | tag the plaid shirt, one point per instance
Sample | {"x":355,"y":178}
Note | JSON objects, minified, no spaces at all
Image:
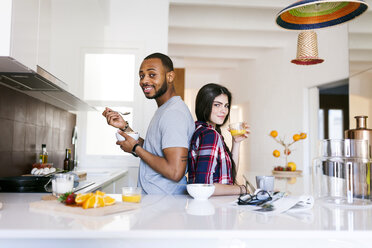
{"x":208,"y":160}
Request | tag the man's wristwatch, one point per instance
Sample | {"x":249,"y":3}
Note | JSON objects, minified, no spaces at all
{"x":134,"y":150}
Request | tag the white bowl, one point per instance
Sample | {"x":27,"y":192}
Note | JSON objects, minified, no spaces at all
{"x":134,"y":135}
{"x":200,"y":191}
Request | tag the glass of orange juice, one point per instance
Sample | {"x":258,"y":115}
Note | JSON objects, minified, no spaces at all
{"x":131,"y":194}
{"x":237,"y":129}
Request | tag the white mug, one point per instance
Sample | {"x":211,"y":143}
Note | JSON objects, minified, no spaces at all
{"x":265,"y":183}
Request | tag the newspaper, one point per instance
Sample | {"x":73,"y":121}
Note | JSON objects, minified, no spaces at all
{"x":282,"y":203}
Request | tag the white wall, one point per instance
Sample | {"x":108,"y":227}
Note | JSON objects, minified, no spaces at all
{"x":360,"y":97}
{"x":275,"y":93}
{"x":78,"y":26}
{"x":5,"y":26}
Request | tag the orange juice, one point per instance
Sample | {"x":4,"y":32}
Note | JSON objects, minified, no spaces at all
{"x":131,"y":198}
{"x":238,"y":132}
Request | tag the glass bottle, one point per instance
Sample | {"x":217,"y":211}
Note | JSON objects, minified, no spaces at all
{"x":44,"y":154}
{"x":67,"y":159}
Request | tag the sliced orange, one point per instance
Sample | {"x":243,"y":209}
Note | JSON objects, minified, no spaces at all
{"x":95,"y":201}
{"x":100,"y":193}
{"x":108,"y":200}
{"x":81,"y":198}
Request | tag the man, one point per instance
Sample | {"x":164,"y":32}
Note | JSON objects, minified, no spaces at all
{"x":164,"y":152}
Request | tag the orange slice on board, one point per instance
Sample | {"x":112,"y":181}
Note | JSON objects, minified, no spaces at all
{"x":81,"y":198}
{"x":108,"y":200}
{"x":94,"y":201}
{"x":100,"y":193}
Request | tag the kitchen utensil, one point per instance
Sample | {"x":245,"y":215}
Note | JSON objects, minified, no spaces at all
{"x":122,"y":113}
{"x":341,"y":175}
{"x":265,"y":183}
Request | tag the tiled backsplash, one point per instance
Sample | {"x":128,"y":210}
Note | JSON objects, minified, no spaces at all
{"x":25,"y":124}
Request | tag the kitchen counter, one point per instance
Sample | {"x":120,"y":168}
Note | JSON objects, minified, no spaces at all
{"x":180,"y":221}
{"x":101,"y":177}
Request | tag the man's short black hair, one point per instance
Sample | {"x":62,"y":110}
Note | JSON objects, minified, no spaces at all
{"x":165,"y":60}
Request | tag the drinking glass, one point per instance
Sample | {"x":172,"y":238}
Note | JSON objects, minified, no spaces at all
{"x":62,"y":183}
{"x":237,"y":129}
{"x":131,"y":194}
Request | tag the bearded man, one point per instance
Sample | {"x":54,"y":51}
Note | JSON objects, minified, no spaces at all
{"x":164,"y":152}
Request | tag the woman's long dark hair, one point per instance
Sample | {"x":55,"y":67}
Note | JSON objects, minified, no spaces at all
{"x":203,"y":110}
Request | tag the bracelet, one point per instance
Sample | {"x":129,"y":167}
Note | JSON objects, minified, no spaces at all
{"x":125,"y":128}
{"x":241,"y":191}
{"x":134,"y":150}
{"x":246,"y":190}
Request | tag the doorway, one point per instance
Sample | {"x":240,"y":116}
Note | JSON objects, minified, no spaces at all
{"x":333,"y":115}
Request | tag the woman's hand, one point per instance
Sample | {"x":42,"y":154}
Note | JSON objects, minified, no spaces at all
{"x":114,"y":118}
{"x":240,"y":138}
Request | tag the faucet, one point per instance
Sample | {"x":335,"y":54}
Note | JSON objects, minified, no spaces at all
{"x":74,"y":142}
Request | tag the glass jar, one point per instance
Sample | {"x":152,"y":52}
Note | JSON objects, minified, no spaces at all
{"x":342,"y":172}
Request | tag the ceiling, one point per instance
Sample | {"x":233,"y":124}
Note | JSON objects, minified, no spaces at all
{"x":219,"y":34}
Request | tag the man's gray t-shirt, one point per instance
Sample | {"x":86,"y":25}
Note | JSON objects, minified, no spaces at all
{"x":171,"y":126}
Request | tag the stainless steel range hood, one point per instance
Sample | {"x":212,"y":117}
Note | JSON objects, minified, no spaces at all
{"x":40,"y":84}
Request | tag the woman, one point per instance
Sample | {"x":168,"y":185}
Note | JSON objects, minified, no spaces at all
{"x":209,"y":159}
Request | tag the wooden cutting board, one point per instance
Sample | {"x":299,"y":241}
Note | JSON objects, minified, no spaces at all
{"x":57,"y":206}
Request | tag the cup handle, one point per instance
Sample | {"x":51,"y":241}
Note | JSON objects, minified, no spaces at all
{"x":48,"y":189}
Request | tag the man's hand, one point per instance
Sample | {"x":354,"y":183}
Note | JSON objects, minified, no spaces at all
{"x":128,"y":144}
{"x":114,"y":118}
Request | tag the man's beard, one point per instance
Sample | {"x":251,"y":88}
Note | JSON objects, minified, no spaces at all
{"x":160,"y":92}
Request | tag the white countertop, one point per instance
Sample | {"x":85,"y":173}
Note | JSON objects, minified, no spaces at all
{"x":180,"y":221}
{"x":101,"y":177}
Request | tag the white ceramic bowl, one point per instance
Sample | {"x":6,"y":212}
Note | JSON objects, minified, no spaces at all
{"x":134,"y":135}
{"x":200,"y":191}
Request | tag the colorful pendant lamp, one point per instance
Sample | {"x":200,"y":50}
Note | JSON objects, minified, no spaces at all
{"x":307,"y":49}
{"x":313,"y":14}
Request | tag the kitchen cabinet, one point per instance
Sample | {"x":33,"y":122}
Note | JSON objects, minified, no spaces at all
{"x":108,"y":180}
{"x":20,"y":26}
{"x":26,"y":56}
{"x":115,"y":186}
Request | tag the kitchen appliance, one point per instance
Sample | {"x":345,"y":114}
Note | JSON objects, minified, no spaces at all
{"x":23,"y":183}
{"x":34,"y":184}
{"x":341,"y":173}
{"x":361,"y":132}
{"x":39,"y":84}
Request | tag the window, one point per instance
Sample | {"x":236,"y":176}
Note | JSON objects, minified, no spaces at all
{"x":109,"y":80}
{"x":335,"y":124}
{"x":321,"y":123}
